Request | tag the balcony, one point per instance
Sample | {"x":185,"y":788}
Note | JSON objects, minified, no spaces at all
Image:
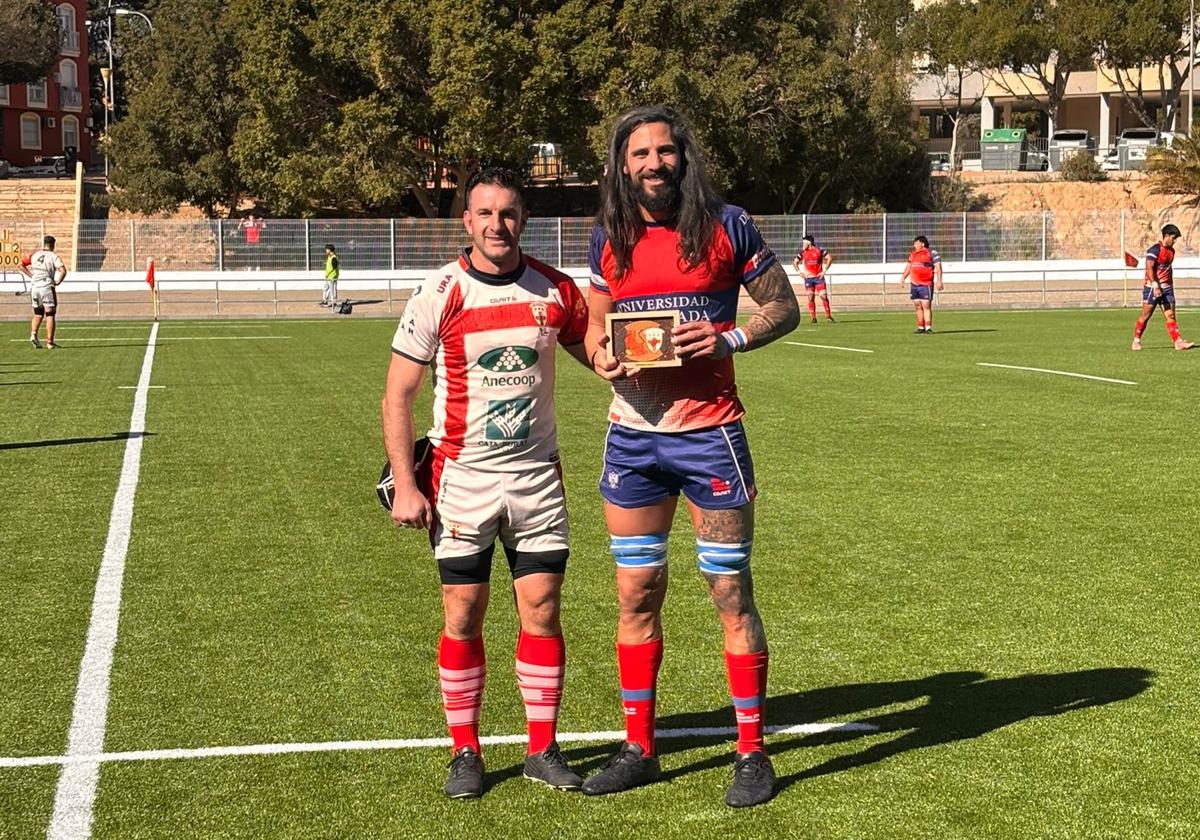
{"x":68,"y":41}
{"x":69,"y":98}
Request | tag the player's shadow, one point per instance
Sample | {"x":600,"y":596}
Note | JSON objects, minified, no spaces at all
{"x":33,"y":382}
{"x":33,"y":444}
{"x":956,"y":706}
{"x":953,"y":332}
{"x":105,"y":345}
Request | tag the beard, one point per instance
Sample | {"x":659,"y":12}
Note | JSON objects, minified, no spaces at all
{"x":667,"y":196}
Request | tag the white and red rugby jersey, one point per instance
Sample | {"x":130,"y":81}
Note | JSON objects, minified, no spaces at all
{"x":491,"y":340}
{"x":44,"y":266}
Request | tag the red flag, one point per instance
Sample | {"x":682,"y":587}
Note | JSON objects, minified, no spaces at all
{"x":1130,"y":260}
{"x":150,"y":272}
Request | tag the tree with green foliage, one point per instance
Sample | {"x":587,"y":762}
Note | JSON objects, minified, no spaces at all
{"x":1150,"y":34}
{"x":175,"y":143}
{"x":796,"y":102}
{"x":941,"y":36}
{"x":29,"y":35}
{"x":1036,"y":45}
{"x":351,"y":105}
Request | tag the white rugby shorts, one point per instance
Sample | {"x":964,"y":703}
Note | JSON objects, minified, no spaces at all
{"x":527,"y":510}
{"x":43,"y":296}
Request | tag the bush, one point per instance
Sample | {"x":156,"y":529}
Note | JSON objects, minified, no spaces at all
{"x":1081,"y":167}
{"x":951,"y":194}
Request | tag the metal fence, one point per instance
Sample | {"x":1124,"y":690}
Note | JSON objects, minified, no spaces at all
{"x":420,"y":244}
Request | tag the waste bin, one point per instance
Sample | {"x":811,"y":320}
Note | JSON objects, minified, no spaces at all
{"x":1003,"y":149}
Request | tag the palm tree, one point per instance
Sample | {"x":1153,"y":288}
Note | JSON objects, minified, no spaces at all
{"x":1175,"y":169}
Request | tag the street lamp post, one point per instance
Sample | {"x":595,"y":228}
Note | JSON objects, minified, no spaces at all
{"x":108,"y":74}
{"x":106,"y":78}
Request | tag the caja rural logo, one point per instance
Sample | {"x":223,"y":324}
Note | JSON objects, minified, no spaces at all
{"x":509,"y":359}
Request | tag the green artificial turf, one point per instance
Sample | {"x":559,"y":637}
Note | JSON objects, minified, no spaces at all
{"x":995,"y":567}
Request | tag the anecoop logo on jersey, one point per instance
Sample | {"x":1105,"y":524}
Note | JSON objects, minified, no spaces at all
{"x":509,"y":359}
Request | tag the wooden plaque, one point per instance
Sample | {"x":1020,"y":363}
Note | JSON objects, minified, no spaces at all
{"x":642,"y":338}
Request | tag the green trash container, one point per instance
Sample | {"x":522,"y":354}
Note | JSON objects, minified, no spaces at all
{"x":1003,"y":149}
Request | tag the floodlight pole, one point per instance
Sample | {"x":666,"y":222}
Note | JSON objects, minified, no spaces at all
{"x":111,"y":13}
{"x":1191,"y":63}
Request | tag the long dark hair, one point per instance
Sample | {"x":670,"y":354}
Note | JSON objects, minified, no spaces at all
{"x":698,"y":206}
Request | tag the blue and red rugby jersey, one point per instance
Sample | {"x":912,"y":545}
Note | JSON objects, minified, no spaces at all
{"x":812,"y":259}
{"x":701,"y":393}
{"x":1161,"y":261}
{"x":921,"y":263}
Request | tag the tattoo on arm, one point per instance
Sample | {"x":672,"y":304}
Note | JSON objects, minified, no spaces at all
{"x":778,"y":312}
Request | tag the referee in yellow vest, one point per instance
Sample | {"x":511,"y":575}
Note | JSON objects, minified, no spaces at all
{"x":333,"y":270}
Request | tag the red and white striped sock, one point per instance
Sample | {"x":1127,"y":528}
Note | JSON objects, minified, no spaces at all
{"x":462,"y":670}
{"x":541,"y":661}
{"x":1173,"y":330}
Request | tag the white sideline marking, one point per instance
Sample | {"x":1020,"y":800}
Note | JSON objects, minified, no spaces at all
{"x":132,"y":387}
{"x":1059,"y":373}
{"x":173,"y":338}
{"x":76,"y":793}
{"x":405,"y":744}
{"x":828,"y":347}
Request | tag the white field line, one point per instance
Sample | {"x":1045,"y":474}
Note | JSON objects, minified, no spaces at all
{"x":76,"y":326}
{"x":828,"y":347}
{"x":1059,"y":373}
{"x":405,"y":744}
{"x":134,"y":387}
{"x":76,"y":793}
{"x":172,"y":338}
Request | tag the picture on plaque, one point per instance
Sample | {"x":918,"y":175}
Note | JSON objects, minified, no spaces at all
{"x":642,"y":338}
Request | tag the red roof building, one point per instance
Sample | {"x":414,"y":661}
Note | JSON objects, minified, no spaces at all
{"x":43,"y":119}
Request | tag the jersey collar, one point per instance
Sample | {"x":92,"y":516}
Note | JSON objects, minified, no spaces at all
{"x":491,"y":279}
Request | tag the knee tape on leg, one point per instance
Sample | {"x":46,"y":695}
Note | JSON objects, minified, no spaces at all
{"x":723,"y":558}
{"x":644,"y":551}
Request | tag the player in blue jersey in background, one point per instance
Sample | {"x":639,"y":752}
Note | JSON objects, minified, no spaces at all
{"x":1158,"y":289}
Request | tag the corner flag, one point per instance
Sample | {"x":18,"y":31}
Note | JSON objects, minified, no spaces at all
{"x":1130,"y":260}
{"x":150,"y":271}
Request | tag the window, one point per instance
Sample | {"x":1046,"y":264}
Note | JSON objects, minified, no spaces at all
{"x":35,"y":94}
{"x":68,"y":85}
{"x":68,"y":32}
{"x":3,"y":94}
{"x":31,"y":131}
{"x":70,"y":132}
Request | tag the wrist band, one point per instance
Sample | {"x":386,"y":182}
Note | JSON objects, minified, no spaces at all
{"x":736,"y":339}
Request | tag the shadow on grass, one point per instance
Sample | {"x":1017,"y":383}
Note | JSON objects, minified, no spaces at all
{"x":33,"y":444}
{"x":958,"y":706}
{"x":33,"y":382}
{"x":73,"y":344}
{"x":953,"y":332}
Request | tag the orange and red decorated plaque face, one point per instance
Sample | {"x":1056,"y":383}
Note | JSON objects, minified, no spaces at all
{"x":642,"y":338}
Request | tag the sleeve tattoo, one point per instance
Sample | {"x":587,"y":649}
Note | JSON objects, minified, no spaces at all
{"x":778,"y":312}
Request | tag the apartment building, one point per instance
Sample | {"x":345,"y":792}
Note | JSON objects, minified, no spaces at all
{"x":42,"y":119}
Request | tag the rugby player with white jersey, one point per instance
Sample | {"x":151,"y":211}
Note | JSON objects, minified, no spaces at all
{"x":664,"y":241}
{"x":45,"y":271}
{"x":487,"y":325}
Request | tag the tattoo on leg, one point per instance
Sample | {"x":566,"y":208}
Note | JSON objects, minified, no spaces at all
{"x":726,"y":526}
{"x":733,"y":596}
